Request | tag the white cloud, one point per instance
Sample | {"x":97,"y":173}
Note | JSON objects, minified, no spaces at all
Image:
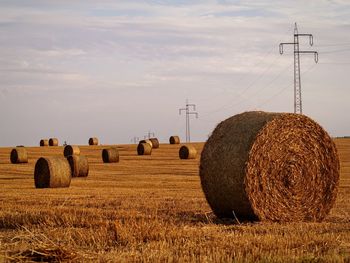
{"x":108,"y":54}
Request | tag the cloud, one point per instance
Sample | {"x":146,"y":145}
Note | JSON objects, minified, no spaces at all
{"x":108,"y":55}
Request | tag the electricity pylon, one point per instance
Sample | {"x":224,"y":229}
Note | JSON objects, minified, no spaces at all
{"x":149,"y":135}
{"x":298,"y":107}
{"x":188,"y":113}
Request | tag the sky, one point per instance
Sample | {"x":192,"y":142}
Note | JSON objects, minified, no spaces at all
{"x":121,"y":69}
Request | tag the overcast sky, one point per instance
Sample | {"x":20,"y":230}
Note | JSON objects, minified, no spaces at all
{"x":118,"y":69}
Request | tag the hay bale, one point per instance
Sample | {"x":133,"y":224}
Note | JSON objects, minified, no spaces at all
{"x":44,"y":142}
{"x":71,"y":150}
{"x":270,"y":166}
{"x":144,"y":149}
{"x":174,"y":140}
{"x":79,"y":165}
{"x":187,"y":152}
{"x":155,"y":143}
{"x":147,"y":141}
{"x":110,"y":155}
{"x":93,"y":141}
{"x":53,"y":142}
{"x":52,"y":172}
{"x":19,"y":155}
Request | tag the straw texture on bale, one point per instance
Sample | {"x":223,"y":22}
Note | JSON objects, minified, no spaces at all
{"x":52,"y":172}
{"x":71,"y":150}
{"x":53,"y":142}
{"x":144,"y":149}
{"x":93,"y":141}
{"x":155,"y":143}
{"x":187,"y":152}
{"x":44,"y":142}
{"x":147,"y":141}
{"x":79,"y":165}
{"x":270,"y":166}
{"x":174,"y":140}
{"x":110,"y":155}
{"x":19,"y":155}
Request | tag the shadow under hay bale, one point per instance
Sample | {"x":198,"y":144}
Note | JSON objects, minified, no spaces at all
{"x":270,"y":166}
{"x":187,"y":152}
{"x":79,"y":165}
{"x":147,"y":141}
{"x":93,"y":141}
{"x":144,"y":149}
{"x":52,"y":172}
{"x":174,"y":140}
{"x":19,"y":155}
{"x":155,"y":143}
{"x":44,"y":142}
{"x":110,"y":155}
{"x":71,"y":150}
{"x":53,"y":142}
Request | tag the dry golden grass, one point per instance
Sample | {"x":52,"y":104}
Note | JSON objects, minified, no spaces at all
{"x":150,"y":209}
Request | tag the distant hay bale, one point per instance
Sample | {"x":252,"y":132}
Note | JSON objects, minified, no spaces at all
{"x":270,"y":166}
{"x":19,"y":155}
{"x":155,"y":143}
{"x":174,"y":140}
{"x":187,"y":152}
{"x":110,"y":155}
{"x":52,"y":172}
{"x":147,"y":141}
{"x":44,"y":142}
{"x":71,"y":150}
{"x":79,"y":165}
{"x":53,"y":142}
{"x":93,"y":141}
{"x":144,"y":149}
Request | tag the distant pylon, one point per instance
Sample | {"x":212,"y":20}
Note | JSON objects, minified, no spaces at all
{"x":135,"y":139}
{"x":298,"y":107}
{"x":188,"y":113}
{"x":149,"y":135}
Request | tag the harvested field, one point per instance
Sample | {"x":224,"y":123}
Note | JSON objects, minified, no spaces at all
{"x":150,"y":208}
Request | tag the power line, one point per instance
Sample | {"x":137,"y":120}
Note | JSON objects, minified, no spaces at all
{"x":273,"y":80}
{"x":335,"y":45}
{"x":228,"y":106}
{"x":336,"y":51}
{"x":334,"y":63}
{"x":262,"y":74}
{"x":149,"y":135}
{"x":282,"y":89}
{"x":188,"y":113}
{"x":297,"y":78}
{"x":135,"y":139}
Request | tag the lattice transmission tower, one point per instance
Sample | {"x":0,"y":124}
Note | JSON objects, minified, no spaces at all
{"x":188,"y":113}
{"x":298,"y":107}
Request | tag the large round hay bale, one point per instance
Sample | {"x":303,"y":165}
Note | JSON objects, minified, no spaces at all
{"x":147,"y":141}
{"x":93,"y":141}
{"x":44,"y":142}
{"x":52,"y":172}
{"x":187,"y":152}
{"x":71,"y":150}
{"x":53,"y":142}
{"x":110,"y":155}
{"x":270,"y":166}
{"x":155,"y":143}
{"x":144,"y":149}
{"x":79,"y":165}
{"x":174,"y":140}
{"x":19,"y":155}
